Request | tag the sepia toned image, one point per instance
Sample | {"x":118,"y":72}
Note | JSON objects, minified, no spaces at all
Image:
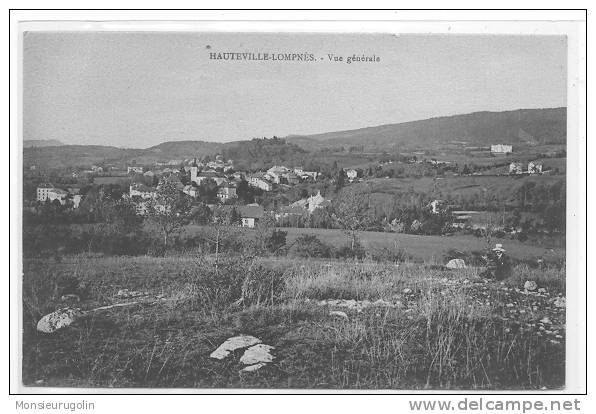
{"x":335,"y":211}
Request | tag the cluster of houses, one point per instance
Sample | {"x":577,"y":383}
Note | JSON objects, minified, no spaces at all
{"x":533,"y":168}
{"x":226,"y":180}
{"x":47,"y":192}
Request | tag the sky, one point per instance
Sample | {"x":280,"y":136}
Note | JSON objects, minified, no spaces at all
{"x":137,"y":90}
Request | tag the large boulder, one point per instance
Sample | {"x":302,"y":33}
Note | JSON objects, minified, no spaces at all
{"x":530,"y":285}
{"x":234,"y":343}
{"x":456,"y":264}
{"x":59,"y":319}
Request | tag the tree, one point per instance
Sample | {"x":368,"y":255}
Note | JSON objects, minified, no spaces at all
{"x":352,"y":211}
{"x":169,"y":210}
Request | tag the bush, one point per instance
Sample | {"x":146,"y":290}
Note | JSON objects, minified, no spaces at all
{"x":309,"y":245}
{"x":349,"y":252}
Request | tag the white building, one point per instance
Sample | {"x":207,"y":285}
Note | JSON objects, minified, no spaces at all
{"x":534,"y":168}
{"x":141,"y":190}
{"x":135,"y":169}
{"x":226,"y":192}
{"x":51,"y":193}
{"x":251,"y":214}
{"x":515,"y":168}
{"x":501,"y":149}
{"x":260,"y":182}
{"x":352,"y":174}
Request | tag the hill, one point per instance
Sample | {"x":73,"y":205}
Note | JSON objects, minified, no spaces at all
{"x":28,"y":143}
{"x":75,"y":155}
{"x":523,"y":126}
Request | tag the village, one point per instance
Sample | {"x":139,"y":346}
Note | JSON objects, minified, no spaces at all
{"x":215,"y":182}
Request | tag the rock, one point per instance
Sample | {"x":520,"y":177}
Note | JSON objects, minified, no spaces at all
{"x":71,"y":297}
{"x":39,"y":382}
{"x":542,"y":290}
{"x":456,"y":264}
{"x":232,"y":344}
{"x":257,"y":354}
{"x":127,"y":294}
{"x":339,"y":313}
{"x":530,"y":285}
{"x":253,"y":368}
{"x":59,"y":319}
{"x":545,"y":320}
{"x":560,"y":302}
{"x":406,"y":291}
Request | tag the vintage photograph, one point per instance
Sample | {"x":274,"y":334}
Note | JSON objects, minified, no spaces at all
{"x":334,"y":211}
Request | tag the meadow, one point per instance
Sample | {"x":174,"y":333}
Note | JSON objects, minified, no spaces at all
{"x":406,"y":326}
{"x":420,"y":248}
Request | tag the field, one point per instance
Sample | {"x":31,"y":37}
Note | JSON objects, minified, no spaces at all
{"x":430,"y":249}
{"x":332,"y":324}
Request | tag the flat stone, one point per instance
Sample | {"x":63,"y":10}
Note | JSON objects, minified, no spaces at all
{"x":560,"y":302}
{"x":530,"y":285}
{"x":339,"y":313}
{"x":70,"y":297}
{"x":456,"y":264}
{"x":257,"y":354}
{"x":232,"y":344}
{"x":253,"y":368}
{"x":59,"y":319}
{"x":127,"y":294}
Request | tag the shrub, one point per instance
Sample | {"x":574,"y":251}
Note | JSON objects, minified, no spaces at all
{"x":308,"y":245}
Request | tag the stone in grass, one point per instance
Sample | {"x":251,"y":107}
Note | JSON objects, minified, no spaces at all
{"x":257,"y":354}
{"x":560,"y":302}
{"x":59,"y":319}
{"x":530,"y":285}
{"x":339,"y":313}
{"x":456,"y":264}
{"x":232,"y":344}
{"x":253,"y":368}
{"x":406,"y":291}
{"x":128,"y":294}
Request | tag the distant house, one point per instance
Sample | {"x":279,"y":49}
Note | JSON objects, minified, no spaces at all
{"x":48,"y":192}
{"x":251,"y":214}
{"x":515,"y":168}
{"x":292,"y":178}
{"x":259,"y":181}
{"x":142,"y":191}
{"x":316,"y":201}
{"x":501,"y":149}
{"x":276,"y":173}
{"x":352,"y":174}
{"x":135,"y":169}
{"x":226,"y":192}
{"x":191,"y":191}
{"x":534,"y":168}
{"x":437,"y":206}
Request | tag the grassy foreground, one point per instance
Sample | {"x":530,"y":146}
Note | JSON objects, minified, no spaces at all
{"x":444,"y":330}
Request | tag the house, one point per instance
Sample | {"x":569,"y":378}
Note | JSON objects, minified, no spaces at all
{"x":135,"y":170}
{"x":251,"y":214}
{"x":259,"y":181}
{"x":42,"y":192}
{"x":226,"y":192}
{"x":501,"y":149}
{"x":292,"y":178}
{"x":534,"y":168}
{"x":352,"y":174}
{"x":275,"y":173}
{"x":76,"y":200}
{"x":316,"y":201}
{"x":437,"y":206}
{"x":191,"y":191}
{"x":515,"y":168}
{"x":48,"y":192}
{"x":142,"y":191}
